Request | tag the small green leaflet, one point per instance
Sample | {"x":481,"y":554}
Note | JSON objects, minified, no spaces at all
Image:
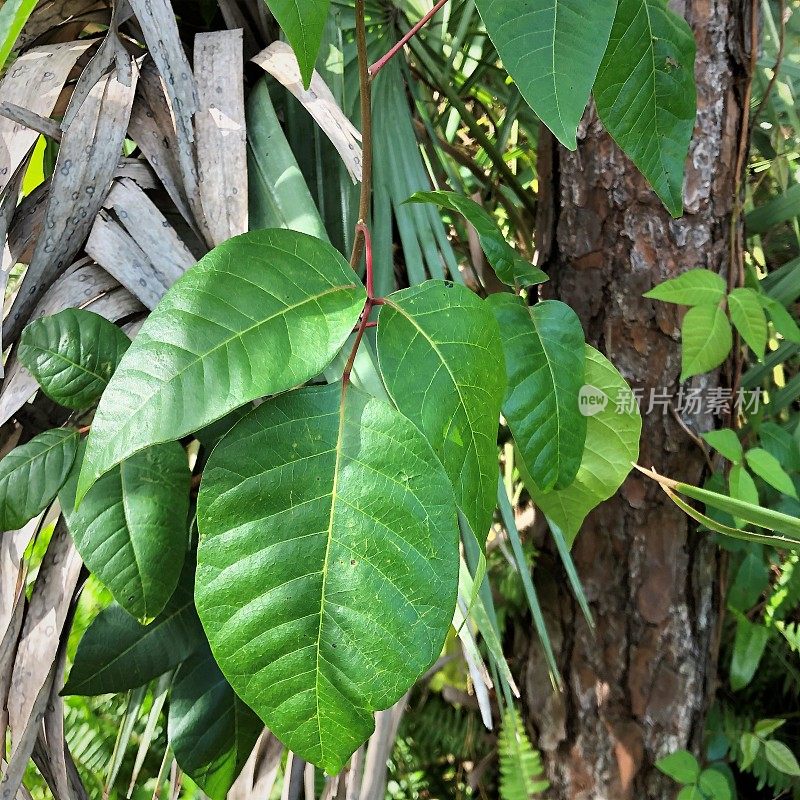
{"x":612,"y":445}
{"x":749,"y":745}
{"x":327,"y":566}
{"x":681,"y":766}
{"x":749,"y":319}
{"x":13,"y":16}
{"x":693,"y":288}
{"x":706,"y":340}
{"x":545,"y":357}
{"x":748,"y":648}
{"x":714,"y":785}
{"x":210,"y":730}
{"x":132,"y":528}
{"x":645,"y":93}
{"x":200,"y":355}
{"x":32,"y":474}
{"x":726,"y":443}
{"x":442,"y":361}
{"x":552,"y":49}
{"x":509,"y":266}
{"x":117,"y":653}
{"x":303,"y":22}
{"x":781,"y":757}
{"x":742,"y":487}
{"x":769,"y":469}
{"x":72,"y":355}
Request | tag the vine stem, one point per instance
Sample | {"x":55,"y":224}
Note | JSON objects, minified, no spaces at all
{"x":382,"y":62}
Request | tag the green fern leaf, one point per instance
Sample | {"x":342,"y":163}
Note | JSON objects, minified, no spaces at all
{"x":521,"y":771}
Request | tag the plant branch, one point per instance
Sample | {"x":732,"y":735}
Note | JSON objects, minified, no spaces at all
{"x":381,"y":63}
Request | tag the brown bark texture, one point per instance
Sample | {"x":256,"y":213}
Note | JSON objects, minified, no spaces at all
{"x":639,"y":686}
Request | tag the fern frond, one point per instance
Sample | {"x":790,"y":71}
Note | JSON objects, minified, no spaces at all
{"x":521,"y":768}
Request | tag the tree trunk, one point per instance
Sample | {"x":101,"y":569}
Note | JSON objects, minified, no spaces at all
{"x":639,"y":687}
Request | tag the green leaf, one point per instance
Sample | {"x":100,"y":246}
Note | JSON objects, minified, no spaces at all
{"x":780,"y":208}
{"x":749,"y":746}
{"x":612,"y":444}
{"x":715,"y":785}
{"x":521,"y":769}
{"x":742,"y":486}
{"x":304,"y":24}
{"x":681,"y":766}
{"x":13,"y":16}
{"x":764,"y":727}
{"x":749,"y":319}
{"x":769,"y":469}
{"x":210,"y":730}
{"x":781,"y":757}
{"x":726,"y":442}
{"x":117,"y":653}
{"x":706,"y":340}
{"x":781,"y":319}
{"x":748,"y":647}
{"x":508,"y":264}
{"x":72,"y":355}
{"x":328,"y":564}
{"x":552,"y":49}
{"x":690,"y":793}
{"x":645,"y":93}
{"x":262,"y":313}
{"x":752,"y":578}
{"x":441,"y":358}
{"x":32,"y":474}
{"x":545,"y":357}
{"x":693,"y":288}
{"x":132,"y":529}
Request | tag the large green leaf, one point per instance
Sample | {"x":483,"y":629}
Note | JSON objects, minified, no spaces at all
{"x":706,"y":340}
{"x":260,"y":314}
{"x":441,"y":358}
{"x":328,"y":564}
{"x":545,"y":358}
{"x":552,"y":49}
{"x":210,"y":730}
{"x":117,"y":653}
{"x":32,"y":474}
{"x":612,"y":444}
{"x":72,"y":355}
{"x":508,"y":264}
{"x":645,"y":93}
{"x":132,"y":530}
{"x":304,"y":24}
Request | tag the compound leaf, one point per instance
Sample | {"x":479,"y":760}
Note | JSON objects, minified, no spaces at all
{"x":327,"y":566}
{"x":262,"y":313}
{"x":441,"y":358}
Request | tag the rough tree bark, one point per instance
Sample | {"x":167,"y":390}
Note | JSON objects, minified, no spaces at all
{"x":639,"y":688}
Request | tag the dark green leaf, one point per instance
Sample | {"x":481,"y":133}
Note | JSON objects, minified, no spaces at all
{"x":210,"y":730}
{"x":508,"y":264}
{"x":442,"y":361}
{"x":782,"y":320}
{"x":752,"y":578}
{"x":132,"y":528}
{"x":303,"y":23}
{"x":545,"y":357}
{"x":552,"y":49}
{"x":328,"y":564}
{"x":706,"y":340}
{"x":779,"y":209}
{"x":748,"y":648}
{"x":260,"y":314}
{"x":32,"y":474}
{"x":72,"y":355}
{"x":645,"y":93}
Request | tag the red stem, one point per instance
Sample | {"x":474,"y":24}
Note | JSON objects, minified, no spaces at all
{"x":363,"y":230}
{"x":362,"y":327}
{"x":381,"y":63}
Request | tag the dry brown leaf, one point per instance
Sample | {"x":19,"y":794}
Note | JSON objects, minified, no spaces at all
{"x":221,"y":133}
{"x":260,"y":772}
{"x":50,"y":14}
{"x":280,"y":61}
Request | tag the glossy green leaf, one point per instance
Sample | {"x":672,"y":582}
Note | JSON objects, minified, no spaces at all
{"x":441,"y":358}
{"x":72,"y":355}
{"x":13,"y":16}
{"x":749,"y":319}
{"x":328,"y":564}
{"x":117,"y":653}
{"x":748,"y":648}
{"x":210,"y":730}
{"x":509,"y":266}
{"x":781,"y":757}
{"x":262,"y":313}
{"x":693,"y":288}
{"x":552,"y":49}
{"x":32,"y":474}
{"x":132,"y":529}
{"x":545,"y":357}
{"x":681,"y":766}
{"x":612,"y":444}
{"x":645,"y":93}
{"x":726,"y":443}
{"x":304,"y":24}
{"x":769,"y":469}
{"x":706,"y":340}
